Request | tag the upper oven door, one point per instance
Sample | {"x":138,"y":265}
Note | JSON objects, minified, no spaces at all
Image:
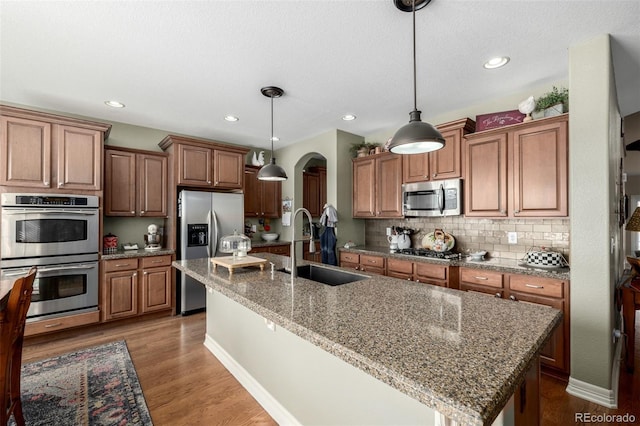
{"x":32,"y":232}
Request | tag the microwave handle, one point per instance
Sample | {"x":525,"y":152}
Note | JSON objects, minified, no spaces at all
{"x":441,"y":199}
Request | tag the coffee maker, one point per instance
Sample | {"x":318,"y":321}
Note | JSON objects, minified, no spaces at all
{"x":152,"y":239}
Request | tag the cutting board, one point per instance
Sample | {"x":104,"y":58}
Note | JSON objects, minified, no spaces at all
{"x":231,"y":262}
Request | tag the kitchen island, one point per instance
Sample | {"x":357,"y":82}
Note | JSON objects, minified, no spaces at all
{"x":379,"y":350}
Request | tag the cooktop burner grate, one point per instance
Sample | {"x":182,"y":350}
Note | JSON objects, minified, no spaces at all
{"x":448,"y":255}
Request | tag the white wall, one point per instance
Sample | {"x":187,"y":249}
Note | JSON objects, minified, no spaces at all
{"x":594,"y":153}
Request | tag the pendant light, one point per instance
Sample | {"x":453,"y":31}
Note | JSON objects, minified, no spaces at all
{"x":417,"y":137}
{"x":271,"y":171}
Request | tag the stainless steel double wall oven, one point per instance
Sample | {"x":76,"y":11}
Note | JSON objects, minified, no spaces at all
{"x":59,"y":233}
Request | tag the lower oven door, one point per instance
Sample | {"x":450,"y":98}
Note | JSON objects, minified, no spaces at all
{"x":62,"y":289}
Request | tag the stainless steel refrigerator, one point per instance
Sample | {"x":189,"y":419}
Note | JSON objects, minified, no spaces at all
{"x":204,"y":218}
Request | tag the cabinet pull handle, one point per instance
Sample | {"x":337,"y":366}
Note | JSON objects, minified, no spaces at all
{"x":57,"y":324}
{"x":481,"y":278}
{"x":156,"y":261}
{"x":121,"y":265}
{"x":533,"y":286}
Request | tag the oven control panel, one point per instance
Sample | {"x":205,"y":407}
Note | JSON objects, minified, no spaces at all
{"x":36,"y":200}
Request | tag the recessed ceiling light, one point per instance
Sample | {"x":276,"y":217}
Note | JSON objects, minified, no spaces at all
{"x":231,"y":118}
{"x":348,"y":117}
{"x":496,"y":62}
{"x":114,"y":104}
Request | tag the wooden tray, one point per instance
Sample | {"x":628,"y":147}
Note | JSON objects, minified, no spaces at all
{"x":231,"y":263}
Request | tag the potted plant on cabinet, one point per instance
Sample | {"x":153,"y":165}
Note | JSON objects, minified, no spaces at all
{"x":362,"y":149}
{"x":552,"y":103}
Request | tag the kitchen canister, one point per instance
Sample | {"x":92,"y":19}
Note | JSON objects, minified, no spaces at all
{"x":109,"y":244}
{"x":545,"y":258}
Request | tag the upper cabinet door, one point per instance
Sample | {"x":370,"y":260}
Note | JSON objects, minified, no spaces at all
{"x":119,"y":183}
{"x":25,"y":148}
{"x":364,"y":187}
{"x":152,"y":185}
{"x":228,"y":169}
{"x":389,"y":185}
{"x":79,"y":158}
{"x":485,"y":189}
{"x":540,"y":184}
{"x":415,"y":168}
{"x":446,"y":162}
{"x":194,"y":166}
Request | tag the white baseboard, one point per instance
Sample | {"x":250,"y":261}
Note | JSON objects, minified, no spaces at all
{"x":280,"y":414}
{"x":605,"y":397}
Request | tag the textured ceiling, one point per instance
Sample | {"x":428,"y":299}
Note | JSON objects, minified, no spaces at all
{"x":183,"y":65}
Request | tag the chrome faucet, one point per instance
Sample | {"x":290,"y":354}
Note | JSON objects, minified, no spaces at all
{"x":312,"y":248}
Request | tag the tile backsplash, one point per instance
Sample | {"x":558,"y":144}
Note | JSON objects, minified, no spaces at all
{"x":473,"y":234}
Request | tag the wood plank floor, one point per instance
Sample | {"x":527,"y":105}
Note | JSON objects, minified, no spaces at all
{"x":184,"y":384}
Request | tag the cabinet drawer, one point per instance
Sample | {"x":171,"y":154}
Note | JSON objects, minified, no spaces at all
{"x":400,"y":266}
{"x":282,"y":250}
{"x":120,"y":264}
{"x":155,"y":261}
{"x":428,"y":270}
{"x":374,"y":261}
{"x":349,"y":257}
{"x":534,"y":285}
{"x":481,"y":277}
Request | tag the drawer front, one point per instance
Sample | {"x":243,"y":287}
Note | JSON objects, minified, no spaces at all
{"x":478,"y":289}
{"x":120,"y":264}
{"x":281,"y":250}
{"x":400,"y":266}
{"x":349,"y":257}
{"x":371,"y":261}
{"x":481,"y":277}
{"x":428,"y":270}
{"x":539,"y":286}
{"x":155,"y":261}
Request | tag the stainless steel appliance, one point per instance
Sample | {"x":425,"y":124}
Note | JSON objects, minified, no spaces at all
{"x":436,"y":198}
{"x":204,"y":218}
{"x":59,"y":233}
{"x":35,"y":225}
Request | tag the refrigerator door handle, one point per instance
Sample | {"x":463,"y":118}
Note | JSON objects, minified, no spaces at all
{"x":215,"y":232}
{"x":209,"y":233}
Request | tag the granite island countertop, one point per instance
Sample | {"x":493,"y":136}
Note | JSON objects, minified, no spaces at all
{"x":493,"y":263}
{"x":460,"y":353}
{"x":125,"y":254}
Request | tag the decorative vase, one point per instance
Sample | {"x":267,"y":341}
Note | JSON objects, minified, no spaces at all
{"x":554,"y":110}
{"x":363,"y":152}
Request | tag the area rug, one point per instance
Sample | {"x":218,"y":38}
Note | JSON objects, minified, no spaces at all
{"x":95,"y":386}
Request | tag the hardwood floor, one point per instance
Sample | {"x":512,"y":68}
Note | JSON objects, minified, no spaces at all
{"x":183,"y":383}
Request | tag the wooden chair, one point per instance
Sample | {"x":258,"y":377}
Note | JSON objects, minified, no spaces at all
{"x":12,"y":322}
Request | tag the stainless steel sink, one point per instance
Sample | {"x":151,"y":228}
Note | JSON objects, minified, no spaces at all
{"x":327,"y":276}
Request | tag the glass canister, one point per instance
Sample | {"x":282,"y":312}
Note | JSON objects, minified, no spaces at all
{"x":238,"y":244}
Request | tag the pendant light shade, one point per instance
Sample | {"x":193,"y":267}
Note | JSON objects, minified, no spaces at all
{"x":417,"y":137}
{"x":271,"y":171}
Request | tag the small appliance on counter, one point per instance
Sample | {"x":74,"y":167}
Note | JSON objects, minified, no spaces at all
{"x":152,"y":239}
{"x":109,"y":243}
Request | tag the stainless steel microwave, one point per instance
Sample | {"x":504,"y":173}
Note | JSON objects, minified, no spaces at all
{"x":436,"y":198}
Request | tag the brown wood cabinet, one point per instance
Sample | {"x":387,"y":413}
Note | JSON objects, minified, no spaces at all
{"x":377,"y":186}
{"x":50,"y":152}
{"x":421,"y":272}
{"x":283,"y":249}
{"x":314,"y":194}
{"x":135,"y":183}
{"x":261,"y":198}
{"x":529,"y":289}
{"x":363,"y":262}
{"x":312,"y":257}
{"x":518,"y":171}
{"x":135,"y":286}
{"x":205,"y":164}
{"x":446,"y":163}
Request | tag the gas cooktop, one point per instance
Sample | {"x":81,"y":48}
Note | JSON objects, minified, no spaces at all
{"x":446,"y":255}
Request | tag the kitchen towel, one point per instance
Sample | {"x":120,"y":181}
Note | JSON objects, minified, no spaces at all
{"x":329,"y":216}
{"x":328,"y":247}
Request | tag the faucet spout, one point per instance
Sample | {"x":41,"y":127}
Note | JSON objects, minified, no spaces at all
{"x":312,"y":249}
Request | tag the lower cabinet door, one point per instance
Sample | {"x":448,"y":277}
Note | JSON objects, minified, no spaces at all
{"x":120,"y":295}
{"x":156,"y":289}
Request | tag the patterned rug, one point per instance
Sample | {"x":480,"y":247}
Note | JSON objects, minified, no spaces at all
{"x":95,"y":386}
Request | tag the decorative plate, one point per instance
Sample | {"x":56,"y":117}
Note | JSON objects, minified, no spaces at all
{"x":429,"y":240}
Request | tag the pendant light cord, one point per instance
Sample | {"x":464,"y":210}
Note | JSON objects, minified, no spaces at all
{"x":271,"y":126}
{"x":415,"y":86}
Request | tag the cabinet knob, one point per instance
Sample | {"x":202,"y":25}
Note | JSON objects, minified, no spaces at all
{"x":141,"y":211}
{"x":135,"y":274}
{"x":209,"y":182}
{"x":46,"y":183}
{"x":516,"y":211}
{"x":502,"y":211}
{"x":132,"y":212}
{"x":498,"y":295}
{"x":60,"y":185}
{"x":145,"y":273}
{"x":216,"y":183}
{"x":512,"y":297}
{"x":435,"y":174}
